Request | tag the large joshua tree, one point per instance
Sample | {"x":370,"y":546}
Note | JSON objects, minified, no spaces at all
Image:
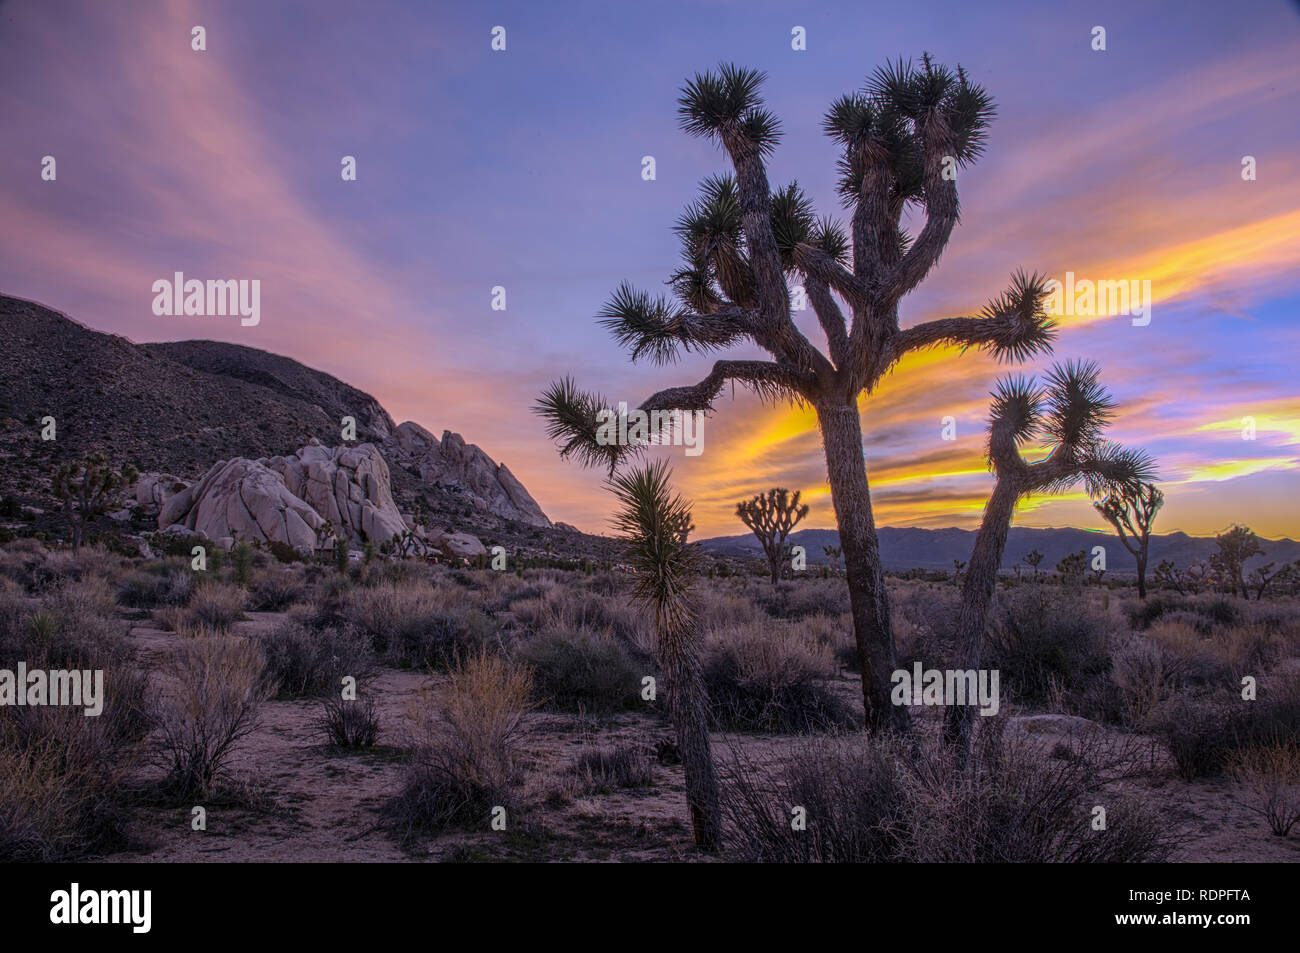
{"x":770,"y":516}
{"x":903,"y":138}
{"x":1070,"y":415}
{"x":1132,"y":511}
{"x":654,"y":523}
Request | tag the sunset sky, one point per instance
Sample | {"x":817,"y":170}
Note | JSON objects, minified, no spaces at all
{"x":523,"y":169}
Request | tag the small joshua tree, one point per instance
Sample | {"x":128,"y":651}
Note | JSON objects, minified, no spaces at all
{"x":86,"y":488}
{"x":833,"y":554}
{"x":1229,"y":563}
{"x":902,"y":138}
{"x":770,"y":516}
{"x":1071,"y":414}
{"x":654,"y":523}
{"x":1132,"y":512}
{"x":1032,"y":560}
{"x":1072,"y":568}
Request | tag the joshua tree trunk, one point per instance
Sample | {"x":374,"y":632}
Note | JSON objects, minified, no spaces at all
{"x":689,"y":708}
{"x":847,"y":472}
{"x":1142,"y":574}
{"x":976,"y":600}
{"x":1073,"y":410}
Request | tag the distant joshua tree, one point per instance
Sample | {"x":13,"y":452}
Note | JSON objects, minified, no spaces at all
{"x":86,"y":488}
{"x":957,"y":566}
{"x":1229,"y":563}
{"x":1072,"y":568}
{"x":903,"y":138}
{"x":833,"y":554}
{"x":1132,"y":512}
{"x":1070,"y":414}
{"x":1033,"y":559}
{"x":654,"y":523}
{"x":770,"y":516}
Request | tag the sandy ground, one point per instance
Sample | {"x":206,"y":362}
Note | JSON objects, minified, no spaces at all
{"x":319,"y":804}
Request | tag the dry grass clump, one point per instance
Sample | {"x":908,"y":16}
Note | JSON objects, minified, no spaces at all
{"x":582,"y":671}
{"x":1045,"y":643}
{"x":215,"y":685}
{"x":771,"y":678}
{"x":1270,"y":777}
{"x":63,"y":775}
{"x":349,"y":722}
{"x":216,"y":606}
{"x":890,"y":800}
{"x":415,"y":626}
{"x":468,"y":761}
{"x":603,"y":770}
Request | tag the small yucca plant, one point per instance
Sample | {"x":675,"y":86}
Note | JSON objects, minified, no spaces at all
{"x":655,"y":523}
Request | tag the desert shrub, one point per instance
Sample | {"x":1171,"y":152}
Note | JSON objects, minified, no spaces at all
{"x":582,"y":671}
{"x":852,"y":795}
{"x":63,"y":776}
{"x":890,"y":800}
{"x":804,"y":597}
{"x":161,"y":584}
{"x":349,"y":723}
{"x":1041,"y":642}
{"x":305,"y":661}
{"x":275,"y":591}
{"x":720,"y":609}
{"x":1203,"y":735}
{"x":1209,"y":610}
{"x":1270,"y":778}
{"x":467,"y":762}
{"x":1146,"y":677}
{"x":601,"y":770}
{"x":414,"y":626}
{"x":216,"y":684}
{"x":769,"y":678}
{"x":216,"y":606}
{"x":283,"y":552}
{"x":62,"y":787}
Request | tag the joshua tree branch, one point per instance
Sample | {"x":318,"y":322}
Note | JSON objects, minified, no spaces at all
{"x":830,"y":317}
{"x":768,"y":379}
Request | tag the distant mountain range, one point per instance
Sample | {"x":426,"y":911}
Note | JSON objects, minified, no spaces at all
{"x":180,"y":407}
{"x":910,"y":548}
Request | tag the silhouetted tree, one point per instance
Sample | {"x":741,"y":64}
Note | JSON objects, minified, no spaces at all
{"x":833,"y":554}
{"x":1132,"y":512}
{"x":1235,"y":547}
{"x":903,"y":138}
{"x":86,"y":487}
{"x":770,"y":516}
{"x":1070,"y":414}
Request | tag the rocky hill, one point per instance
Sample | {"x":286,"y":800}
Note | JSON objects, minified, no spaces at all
{"x":179,"y":408}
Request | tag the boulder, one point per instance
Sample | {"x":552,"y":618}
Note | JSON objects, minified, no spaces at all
{"x":290,"y":499}
{"x":155,"y":489}
{"x":461,"y":544}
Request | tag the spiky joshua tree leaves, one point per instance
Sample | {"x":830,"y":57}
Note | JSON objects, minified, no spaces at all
{"x":770,"y":516}
{"x":1069,"y":415}
{"x":655,"y":523}
{"x":1132,"y":511}
{"x":86,"y":487}
{"x":903,"y":137}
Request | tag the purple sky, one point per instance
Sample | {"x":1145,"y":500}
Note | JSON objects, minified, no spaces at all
{"x":523,"y":169}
